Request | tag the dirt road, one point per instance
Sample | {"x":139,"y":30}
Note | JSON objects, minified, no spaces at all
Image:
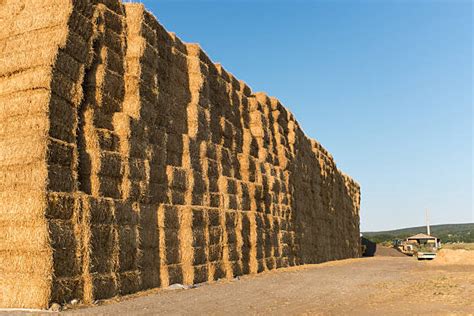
{"x":369,"y":286}
{"x":379,"y":285}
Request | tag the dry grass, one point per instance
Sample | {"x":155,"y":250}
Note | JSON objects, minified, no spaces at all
{"x":454,"y":257}
{"x":465,"y":246}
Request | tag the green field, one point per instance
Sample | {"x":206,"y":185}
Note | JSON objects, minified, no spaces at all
{"x":449,"y":233}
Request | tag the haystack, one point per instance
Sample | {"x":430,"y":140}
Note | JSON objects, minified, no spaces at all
{"x":129,"y":160}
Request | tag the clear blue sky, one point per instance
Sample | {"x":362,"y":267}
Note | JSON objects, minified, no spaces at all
{"x":385,"y":86}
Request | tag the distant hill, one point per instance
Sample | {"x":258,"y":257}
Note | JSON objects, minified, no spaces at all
{"x":447,"y":233}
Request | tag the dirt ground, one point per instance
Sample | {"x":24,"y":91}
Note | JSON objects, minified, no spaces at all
{"x":386,"y":284}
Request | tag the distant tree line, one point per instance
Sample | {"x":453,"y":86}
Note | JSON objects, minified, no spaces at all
{"x":450,"y":233}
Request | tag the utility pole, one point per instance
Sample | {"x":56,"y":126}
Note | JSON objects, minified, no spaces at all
{"x":427,"y":223}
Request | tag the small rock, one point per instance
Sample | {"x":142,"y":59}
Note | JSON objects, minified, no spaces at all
{"x":177,"y":286}
{"x":74,"y":302}
{"x":55,"y":307}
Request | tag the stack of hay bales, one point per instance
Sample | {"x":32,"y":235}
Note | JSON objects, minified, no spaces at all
{"x":129,"y":160}
{"x":44,"y":49}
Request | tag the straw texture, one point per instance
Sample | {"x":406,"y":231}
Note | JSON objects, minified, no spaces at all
{"x":129,"y":160}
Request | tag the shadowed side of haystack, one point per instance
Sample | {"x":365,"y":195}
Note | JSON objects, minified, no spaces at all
{"x":129,"y":160}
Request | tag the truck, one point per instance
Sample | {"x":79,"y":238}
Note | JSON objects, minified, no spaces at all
{"x":425,"y":252}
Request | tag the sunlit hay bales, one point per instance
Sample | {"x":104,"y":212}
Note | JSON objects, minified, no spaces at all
{"x":129,"y":160}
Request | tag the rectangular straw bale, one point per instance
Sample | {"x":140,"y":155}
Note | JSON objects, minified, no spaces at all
{"x":261,"y":266}
{"x":142,"y":74}
{"x":150,"y":277}
{"x":231,"y":235}
{"x":64,"y":244}
{"x":199,"y":237}
{"x":31,"y":40}
{"x":214,"y":217}
{"x":130,"y":282}
{"x":77,"y":46}
{"x":34,"y":18}
{"x":199,"y":256}
{"x":199,"y":217}
{"x":213,"y":184}
{"x":16,"y":205}
{"x":128,"y":247}
{"x":177,"y":197}
{"x":158,"y":172}
{"x":219,"y":270}
{"x":102,"y":243}
{"x":110,"y":163}
{"x":114,"y":5}
{"x":17,"y":61}
{"x":115,"y":62}
{"x":111,"y":85}
{"x":139,"y":49}
{"x":30,"y":176}
{"x":114,"y":20}
{"x":237,"y":269}
{"x":60,"y":153}
{"x":216,"y":200}
{"x":198,"y":199}
{"x":126,"y":212}
{"x":163,"y":37}
{"x":109,"y":186}
{"x":231,"y":201}
{"x":233,"y":252}
{"x":149,"y":34}
{"x":81,"y":22}
{"x":104,"y":286}
{"x":67,"y":289}
{"x":24,"y":150}
{"x":244,"y":89}
{"x":171,"y":216}
{"x":69,"y":66}
{"x":13,"y":295}
{"x":173,"y":254}
{"x":174,"y":143}
{"x":148,"y":227}
{"x":102,"y":210}
{"x":270,"y":263}
{"x":25,"y":262}
{"x":64,"y":128}
{"x":61,"y":206}
{"x":24,"y":103}
{"x":215,"y":252}
{"x":135,"y":19}
{"x":230,"y":220}
{"x":178,"y":178}
{"x":201,"y":274}
{"x":61,"y":178}
{"x":175,"y":274}
{"x":137,"y":168}
{"x":25,"y":80}
{"x":231,"y":186}
{"x":215,"y":235}
{"x":66,"y":87}
{"x":108,"y":140}
{"x":33,"y":7}
{"x":25,"y":236}
{"x":113,"y":41}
